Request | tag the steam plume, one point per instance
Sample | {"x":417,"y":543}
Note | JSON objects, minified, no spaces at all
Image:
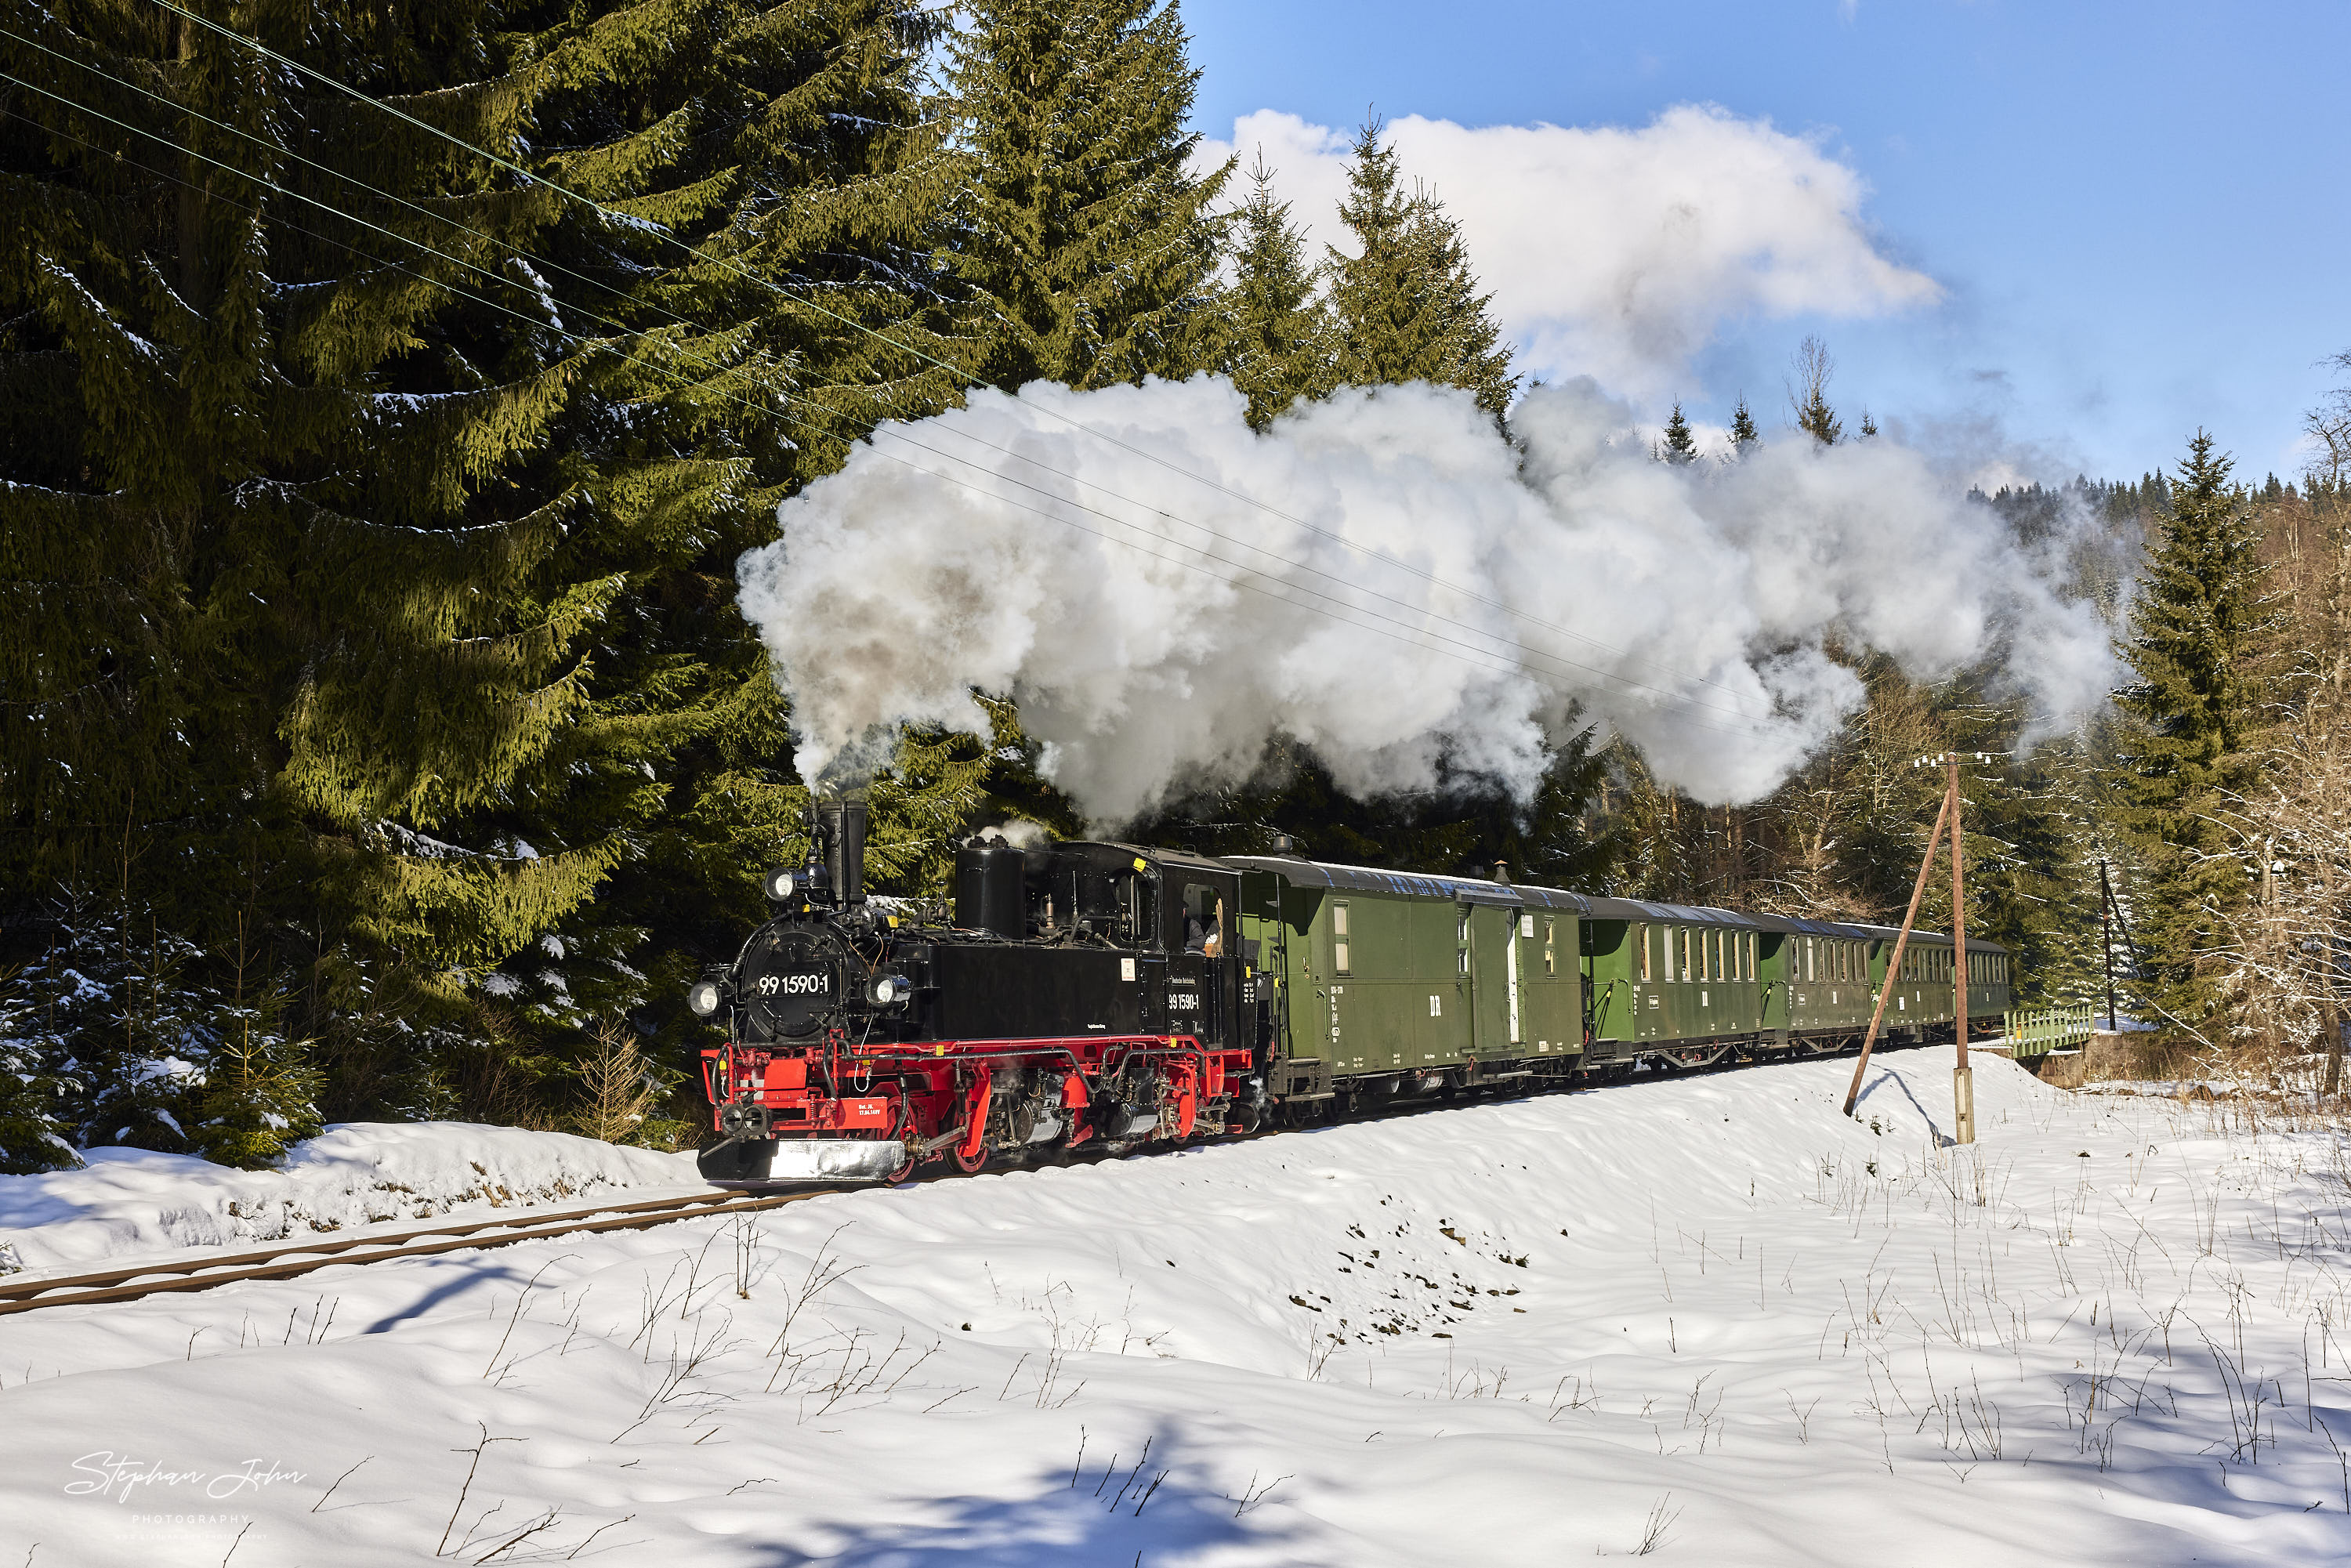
{"x":1430,"y":592}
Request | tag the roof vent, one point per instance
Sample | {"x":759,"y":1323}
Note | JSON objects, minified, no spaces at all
{"x":1502,"y":872}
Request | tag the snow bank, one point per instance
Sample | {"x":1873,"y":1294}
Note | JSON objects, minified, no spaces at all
{"x":1708,"y":1316}
{"x":359,"y":1172}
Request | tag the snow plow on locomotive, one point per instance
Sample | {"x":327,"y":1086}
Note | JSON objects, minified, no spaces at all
{"x":1110,"y":996}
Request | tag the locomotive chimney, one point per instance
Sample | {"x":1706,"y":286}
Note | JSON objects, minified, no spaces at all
{"x":840,"y":821}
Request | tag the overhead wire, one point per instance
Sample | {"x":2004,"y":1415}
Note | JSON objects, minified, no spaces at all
{"x":870,"y":430}
{"x":1490,"y":660}
{"x":915,"y":351}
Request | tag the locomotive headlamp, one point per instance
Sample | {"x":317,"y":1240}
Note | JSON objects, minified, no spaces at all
{"x":703,"y":997}
{"x":889,"y":990}
{"x":780,"y":884}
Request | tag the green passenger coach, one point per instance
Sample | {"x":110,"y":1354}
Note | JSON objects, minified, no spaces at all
{"x":1373,"y":984}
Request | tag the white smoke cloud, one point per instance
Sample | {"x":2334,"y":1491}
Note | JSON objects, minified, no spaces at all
{"x":1618,"y":253}
{"x":1427,"y":592}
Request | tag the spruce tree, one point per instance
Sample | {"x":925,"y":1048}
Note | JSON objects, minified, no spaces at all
{"x":2190,"y":721}
{"x":1406,"y":303}
{"x":1088,"y":247}
{"x":1280,"y":337}
{"x":799,"y":285}
{"x":1678,"y":445}
{"x":1743,"y":434}
{"x":374,"y":554}
{"x":1473,"y":354}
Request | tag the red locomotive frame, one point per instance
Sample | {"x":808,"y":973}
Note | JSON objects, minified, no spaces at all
{"x":934,"y":1096}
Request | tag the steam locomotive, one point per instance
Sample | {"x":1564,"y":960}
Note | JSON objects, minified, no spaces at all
{"x":1106,"y":995}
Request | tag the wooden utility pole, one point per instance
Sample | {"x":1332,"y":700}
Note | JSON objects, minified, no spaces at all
{"x":2106,"y":940}
{"x":1963,"y":1087}
{"x":1963,"y":1077}
{"x":1901,"y":943}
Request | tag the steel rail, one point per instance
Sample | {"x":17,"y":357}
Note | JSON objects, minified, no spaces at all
{"x":455,"y":1236}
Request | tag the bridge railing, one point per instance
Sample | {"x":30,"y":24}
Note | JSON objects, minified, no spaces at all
{"x":2045,"y":1029}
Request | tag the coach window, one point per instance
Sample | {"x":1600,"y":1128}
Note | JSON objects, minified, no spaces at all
{"x":1751,"y":955}
{"x":1682,"y":970}
{"x":1461,"y":945}
{"x":1641,"y":948}
{"x":1719,"y":942}
{"x":1550,"y":945}
{"x":1339,"y":937}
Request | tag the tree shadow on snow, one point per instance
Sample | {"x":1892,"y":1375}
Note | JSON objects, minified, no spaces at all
{"x":469,"y":1275}
{"x":1061,"y":1526}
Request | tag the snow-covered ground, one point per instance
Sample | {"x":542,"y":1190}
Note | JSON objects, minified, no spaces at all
{"x":1708,"y":1317}
{"x":126,"y":1203}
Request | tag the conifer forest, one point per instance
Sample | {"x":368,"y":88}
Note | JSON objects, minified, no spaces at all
{"x":387,"y":397}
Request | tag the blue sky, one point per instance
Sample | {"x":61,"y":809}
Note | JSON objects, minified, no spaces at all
{"x":2135,"y":214}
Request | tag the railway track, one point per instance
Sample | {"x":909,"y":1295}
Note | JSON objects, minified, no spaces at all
{"x":458,"y":1235}
{"x":454,"y":1235}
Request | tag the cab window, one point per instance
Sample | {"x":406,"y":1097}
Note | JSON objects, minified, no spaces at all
{"x":1204,"y":919}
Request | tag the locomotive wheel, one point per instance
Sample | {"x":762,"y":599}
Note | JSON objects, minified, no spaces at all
{"x":972,"y":1165}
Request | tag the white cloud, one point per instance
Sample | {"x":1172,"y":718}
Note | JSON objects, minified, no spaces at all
{"x":1619,"y":253}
